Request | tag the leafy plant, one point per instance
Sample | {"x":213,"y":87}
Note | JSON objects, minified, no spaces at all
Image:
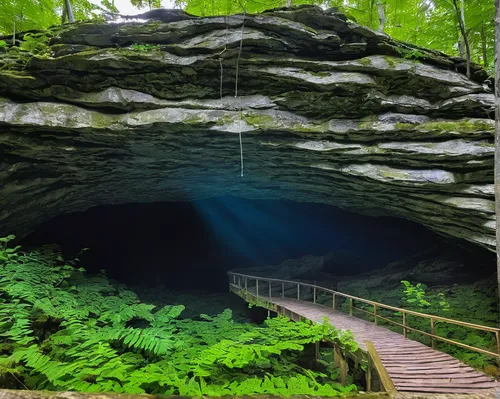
{"x":144,"y":47}
{"x":37,"y":44}
{"x":61,"y":329}
{"x":415,"y":294}
{"x":474,"y":303}
{"x":412,"y":54}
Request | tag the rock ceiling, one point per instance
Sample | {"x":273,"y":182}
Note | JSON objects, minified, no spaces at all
{"x":328,"y":111}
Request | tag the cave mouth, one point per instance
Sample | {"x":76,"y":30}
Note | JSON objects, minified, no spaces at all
{"x":192,"y":245}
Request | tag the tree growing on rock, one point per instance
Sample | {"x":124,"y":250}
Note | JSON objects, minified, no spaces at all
{"x":68,"y":12}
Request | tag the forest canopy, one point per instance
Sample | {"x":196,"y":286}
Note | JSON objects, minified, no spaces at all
{"x":435,"y":24}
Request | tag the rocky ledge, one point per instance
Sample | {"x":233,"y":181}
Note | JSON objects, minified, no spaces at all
{"x":328,"y":111}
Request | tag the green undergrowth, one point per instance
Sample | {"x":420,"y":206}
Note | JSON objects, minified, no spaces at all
{"x":212,"y":304}
{"x":473,"y":303}
{"x":62,"y":329}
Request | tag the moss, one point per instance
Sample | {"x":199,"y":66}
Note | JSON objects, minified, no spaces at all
{"x":310,"y":128}
{"x":258,"y":120}
{"x":365,"y":61}
{"x":321,"y":74}
{"x":101,"y":121}
{"x":366,"y":125}
{"x":460,"y":126}
{"x":404,"y":126}
{"x":225,"y":120}
{"x":16,"y":75}
{"x":193,"y":119}
{"x":391,"y":61}
{"x":464,"y":126}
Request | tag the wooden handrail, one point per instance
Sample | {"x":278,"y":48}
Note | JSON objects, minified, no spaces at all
{"x":379,"y":305}
{"x":375,"y":361}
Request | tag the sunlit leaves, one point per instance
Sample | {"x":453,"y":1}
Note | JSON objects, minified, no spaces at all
{"x":23,"y":15}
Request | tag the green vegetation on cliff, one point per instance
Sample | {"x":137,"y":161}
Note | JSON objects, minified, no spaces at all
{"x":63,"y":330}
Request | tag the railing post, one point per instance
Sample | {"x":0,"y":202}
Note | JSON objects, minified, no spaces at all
{"x":333,"y":302}
{"x":405,"y":331}
{"x":283,"y":290}
{"x":433,"y":332}
{"x":257,"y":287}
{"x":375,"y":314}
{"x":234,"y":279}
{"x":270,"y":289}
{"x":497,"y":336}
{"x":314,"y":295}
{"x":350,"y":306}
{"x":246,"y":283}
{"x":298,"y":292}
{"x":239,"y":282}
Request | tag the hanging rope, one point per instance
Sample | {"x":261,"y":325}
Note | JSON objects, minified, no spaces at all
{"x":236,"y":79}
{"x":236,"y":87}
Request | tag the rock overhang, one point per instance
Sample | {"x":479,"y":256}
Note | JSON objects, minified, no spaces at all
{"x":328,"y":111}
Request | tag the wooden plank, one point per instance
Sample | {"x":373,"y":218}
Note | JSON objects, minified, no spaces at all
{"x":408,"y":351}
{"x":419,"y":375}
{"x":424,"y":361}
{"x":409,"y":368}
{"x":453,"y":385}
{"x":433,"y":379}
{"x":385,"y":379}
{"x":460,"y":372}
{"x":425,"y":373}
{"x":446,"y":390}
{"x":429,"y":356}
{"x":433,"y":365}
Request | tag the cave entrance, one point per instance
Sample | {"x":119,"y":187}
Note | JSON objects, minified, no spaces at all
{"x":191,"y":245}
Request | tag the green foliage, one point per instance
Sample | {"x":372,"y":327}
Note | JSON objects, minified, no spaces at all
{"x":146,"y":3}
{"x":144,"y":47}
{"x":28,"y":14}
{"x":63,"y":330}
{"x":36,"y":44}
{"x":415,"y":295}
{"x":475,"y":303}
{"x":412,"y":54}
{"x":438,"y":304}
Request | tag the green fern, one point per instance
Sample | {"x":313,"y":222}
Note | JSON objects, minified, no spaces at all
{"x":63,"y":330}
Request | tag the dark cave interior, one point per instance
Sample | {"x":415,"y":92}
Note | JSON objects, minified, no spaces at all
{"x":191,"y":245}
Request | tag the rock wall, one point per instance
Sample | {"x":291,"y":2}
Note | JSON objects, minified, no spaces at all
{"x":328,"y":111}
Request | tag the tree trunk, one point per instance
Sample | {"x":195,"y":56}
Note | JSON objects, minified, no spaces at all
{"x":497,"y":141}
{"x":64,"y":16}
{"x":381,"y":16}
{"x":461,"y":22}
{"x":370,"y":17}
{"x":461,"y":47}
{"x":69,"y":11}
{"x":483,"y":46}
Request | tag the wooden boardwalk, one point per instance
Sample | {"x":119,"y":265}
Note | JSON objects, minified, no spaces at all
{"x":412,"y":366}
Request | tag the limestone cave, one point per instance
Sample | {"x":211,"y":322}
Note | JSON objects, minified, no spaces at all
{"x":278,"y":203}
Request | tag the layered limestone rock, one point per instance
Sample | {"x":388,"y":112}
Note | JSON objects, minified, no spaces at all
{"x":328,"y":111}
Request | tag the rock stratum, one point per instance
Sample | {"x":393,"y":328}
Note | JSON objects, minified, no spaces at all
{"x":328,"y":111}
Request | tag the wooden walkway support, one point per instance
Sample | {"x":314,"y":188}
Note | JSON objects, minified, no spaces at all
{"x":403,"y":365}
